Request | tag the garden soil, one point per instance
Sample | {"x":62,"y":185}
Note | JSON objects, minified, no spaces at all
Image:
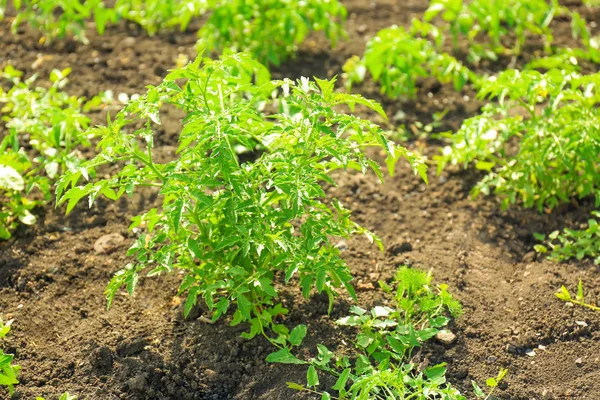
{"x":52,"y":276}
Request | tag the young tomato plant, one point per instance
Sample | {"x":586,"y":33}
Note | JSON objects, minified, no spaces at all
{"x":537,"y":142}
{"x":232,"y":227}
{"x":270,"y":30}
{"x":57,"y":19}
{"x":396,"y":58}
{"x":573,"y":243}
{"x":507,"y":24}
{"x":8,"y":371}
{"x":44,"y":131}
{"x":383,"y":365}
{"x":154,"y":15}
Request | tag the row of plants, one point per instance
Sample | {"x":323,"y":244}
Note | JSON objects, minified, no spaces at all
{"x":536,"y":135}
{"x":237,"y":230}
{"x":270,"y":30}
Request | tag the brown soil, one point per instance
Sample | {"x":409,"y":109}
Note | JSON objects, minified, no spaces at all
{"x":52,"y":279}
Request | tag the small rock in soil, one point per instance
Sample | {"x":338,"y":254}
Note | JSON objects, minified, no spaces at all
{"x":492,"y":359}
{"x":108,"y":243}
{"x":210,"y":374}
{"x":579,"y":361}
{"x":400,"y":248}
{"x":511,"y":348}
{"x":128,"y":348}
{"x":361,"y":28}
{"x":342,"y":245}
{"x":446,"y":337}
{"x":529,"y":257}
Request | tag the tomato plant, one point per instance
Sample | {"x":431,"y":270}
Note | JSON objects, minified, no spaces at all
{"x":382,"y":365}
{"x":57,"y":19}
{"x":270,"y":30}
{"x":233,"y":227}
{"x":44,"y":134}
{"x":506,"y":24}
{"x":154,"y":15}
{"x":397,"y":58}
{"x":537,"y":142}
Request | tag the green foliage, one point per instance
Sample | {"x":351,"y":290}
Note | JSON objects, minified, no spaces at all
{"x":57,"y":19}
{"x":44,"y":131}
{"x":154,"y":15}
{"x":65,"y":396}
{"x":397,"y":58}
{"x":579,"y":299}
{"x":383,"y":367}
{"x":537,"y":142}
{"x":491,"y":383}
{"x":232,"y":227}
{"x":573,"y":243}
{"x":490,"y":26}
{"x":270,"y":30}
{"x":67,"y":18}
{"x":8,"y":371}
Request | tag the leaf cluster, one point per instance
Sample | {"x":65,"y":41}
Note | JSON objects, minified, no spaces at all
{"x":573,"y":243}
{"x":538,"y":144}
{"x":44,"y":132}
{"x":229,"y":226}
{"x":494,"y":27}
{"x":8,"y":371}
{"x":270,"y":30}
{"x":57,"y":19}
{"x":383,"y":366}
{"x":397,"y":58}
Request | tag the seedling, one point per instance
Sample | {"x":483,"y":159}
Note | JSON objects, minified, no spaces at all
{"x":57,"y":19}
{"x":553,"y":120}
{"x":491,"y":383}
{"x":573,"y":243}
{"x":234,"y":228}
{"x":397,"y":58}
{"x":383,"y":366}
{"x":49,"y":124}
{"x":579,"y":299}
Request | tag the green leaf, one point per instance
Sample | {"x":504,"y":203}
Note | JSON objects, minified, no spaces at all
{"x":477,"y":390}
{"x":295,"y":386}
{"x":312,"y":378}
{"x":340,"y":384}
{"x":284,"y":356}
{"x":491,"y":382}
{"x":297,"y":335}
